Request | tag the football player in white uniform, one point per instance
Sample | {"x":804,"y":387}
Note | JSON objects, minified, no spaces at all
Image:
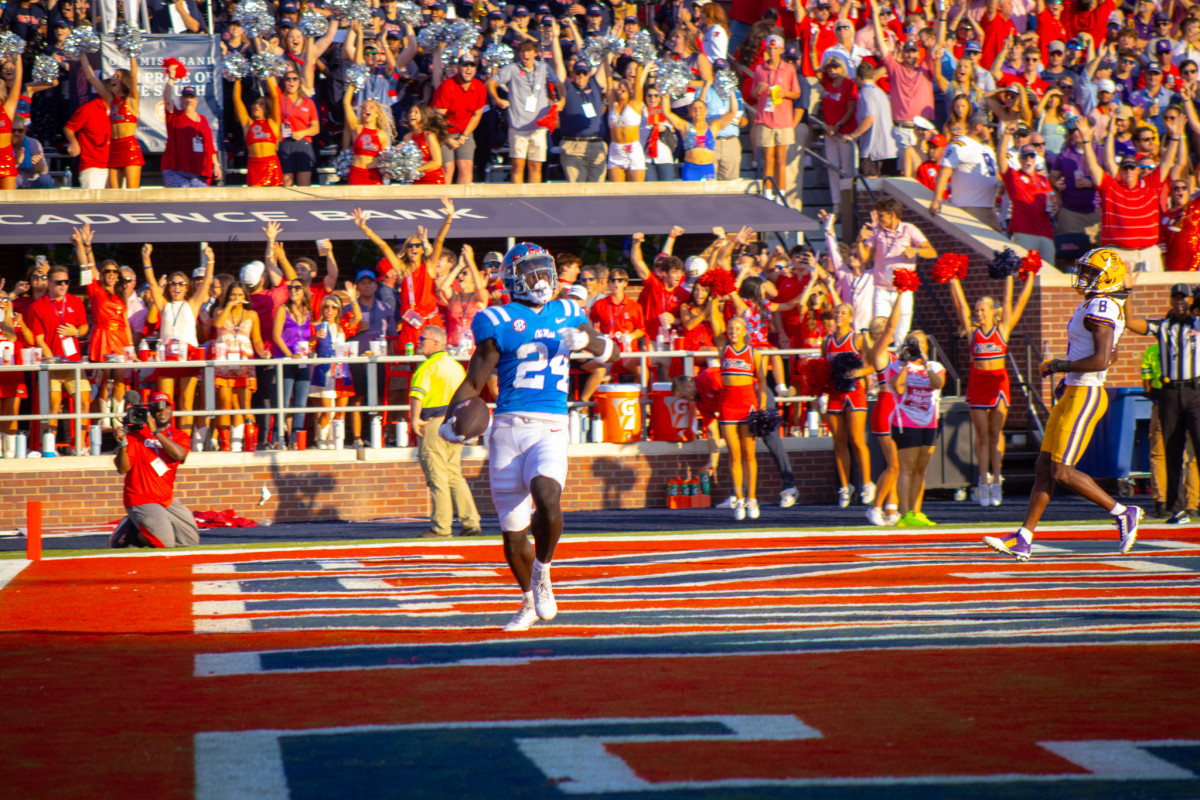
{"x":528,"y":343}
{"x":1092,"y":335}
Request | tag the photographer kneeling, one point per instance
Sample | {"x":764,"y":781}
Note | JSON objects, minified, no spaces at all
{"x":916,"y":383}
{"x":149,"y":451}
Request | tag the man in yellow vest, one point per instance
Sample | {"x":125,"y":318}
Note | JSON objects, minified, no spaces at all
{"x":433,"y":384}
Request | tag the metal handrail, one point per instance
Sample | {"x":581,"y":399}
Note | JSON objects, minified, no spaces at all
{"x":945,"y":361}
{"x":1037,"y":407}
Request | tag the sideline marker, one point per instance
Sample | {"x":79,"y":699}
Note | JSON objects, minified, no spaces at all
{"x":33,"y":531}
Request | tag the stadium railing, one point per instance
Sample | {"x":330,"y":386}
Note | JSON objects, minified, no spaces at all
{"x":375,"y":378}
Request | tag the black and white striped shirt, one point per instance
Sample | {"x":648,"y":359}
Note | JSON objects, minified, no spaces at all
{"x":1178,"y":346}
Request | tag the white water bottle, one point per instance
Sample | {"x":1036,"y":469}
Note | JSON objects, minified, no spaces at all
{"x":574,"y":426}
{"x":813,"y":422}
{"x":22,"y":445}
{"x":48,"y":450}
{"x":94,"y":436}
{"x":339,"y":434}
{"x":402,"y":433}
{"x":376,"y":432}
{"x":597,"y":430}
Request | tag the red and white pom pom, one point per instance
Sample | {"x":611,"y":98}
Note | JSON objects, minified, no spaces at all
{"x":950,"y":266}
{"x":906,"y":280}
{"x":174,"y":68}
{"x":1030,"y":264}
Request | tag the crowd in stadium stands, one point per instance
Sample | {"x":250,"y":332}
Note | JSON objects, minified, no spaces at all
{"x":994,"y":104}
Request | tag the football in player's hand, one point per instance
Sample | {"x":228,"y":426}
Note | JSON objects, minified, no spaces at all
{"x":470,"y":418}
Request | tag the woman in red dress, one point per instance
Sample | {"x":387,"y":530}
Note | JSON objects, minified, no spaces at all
{"x":120,"y":91}
{"x":428,"y":129}
{"x":14,"y":337}
{"x":371,"y":133}
{"x":110,"y":323}
{"x":262,"y":125}
{"x":8,"y":110}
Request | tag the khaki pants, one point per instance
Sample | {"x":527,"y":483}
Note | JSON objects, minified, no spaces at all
{"x":584,"y":161}
{"x":728,"y":153}
{"x":1150,"y":256}
{"x":1074,"y":222}
{"x":1043,"y":245}
{"x":1158,"y":467}
{"x":983,"y":214}
{"x":441,"y":462}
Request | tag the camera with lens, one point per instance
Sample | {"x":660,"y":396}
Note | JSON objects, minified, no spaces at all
{"x":910,"y":350}
{"x":136,"y":416}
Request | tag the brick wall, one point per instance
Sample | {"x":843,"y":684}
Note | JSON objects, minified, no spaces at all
{"x":366,"y":490}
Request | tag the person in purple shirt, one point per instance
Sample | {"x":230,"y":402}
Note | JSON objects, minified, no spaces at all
{"x":1069,"y":175}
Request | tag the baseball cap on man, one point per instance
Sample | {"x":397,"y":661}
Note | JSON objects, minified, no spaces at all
{"x":1181,"y":290}
{"x":187,"y":91}
{"x":521,"y":12}
{"x":162,"y":397}
{"x":1164,"y":46}
{"x":1123,"y":112}
{"x":364,"y":273}
{"x":1105,"y":85}
{"x":252,"y":273}
{"x":972,"y":47}
{"x":495,"y":15}
{"x":1153,"y":67}
{"x":981,"y":118}
{"x":1028,"y":150}
{"x":1057,"y":46}
{"x":937,"y":140}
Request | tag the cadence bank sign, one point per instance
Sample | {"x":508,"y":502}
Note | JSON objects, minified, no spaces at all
{"x":310,"y":218}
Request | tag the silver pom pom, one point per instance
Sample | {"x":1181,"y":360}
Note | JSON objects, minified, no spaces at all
{"x":45,"y":69}
{"x":357,"y":11}
{"x":357,"y":76}
{"x":342,"y":163}
{"x":253,"y":8}
{"x":672,"y":77}
{"x":235,"y":66}
{"x":642,"y":47}
{"x":11,"y":45}
{"x":409,"y":13}
{"x":130,"y":41}
{"x":725,"y":81}
{"x":430,"y":36}
{"x":267,"y":65}
{"x":79,"y":42}
{"x":314,"y":25}
{"x":496,"y":56}
{"x":401,"y":164}
{"x":599,"y":47}
{"x":258,"y":25}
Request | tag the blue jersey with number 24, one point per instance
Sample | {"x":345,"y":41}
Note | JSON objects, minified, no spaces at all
{"x":534,"y":365}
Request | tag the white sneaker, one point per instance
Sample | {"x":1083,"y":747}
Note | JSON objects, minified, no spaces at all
{"x":997,"y":493}
{"x":523,"y":620}
{"x":984,"y":494}
{"x":788,"y":497}
{"x":875,"y":516}
{"x":739,"y":509}
{"x":752,"y":508}
{"x":867,"y":494}
{"x":890,"y":518}
{"x":543,"y":600}
{"x":843,"y":497}
{"x":728,"y":502}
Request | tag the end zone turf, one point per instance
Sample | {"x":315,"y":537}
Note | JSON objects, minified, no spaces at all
{"x":847,"y":664}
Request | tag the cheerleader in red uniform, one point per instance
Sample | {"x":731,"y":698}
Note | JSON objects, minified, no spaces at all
{"x":848,"y":410}
{"x":428,"y":129}
{"x":988,"y":328}
{"x":261,"y":125}
{"x":885,"y":508}
{"x":744,"y":390}
{"x":110,"y":329}
{"x":14,"y":337}
{"x":372,"y":133}
{"x":120,"y":91}
{"x":8,"y":110}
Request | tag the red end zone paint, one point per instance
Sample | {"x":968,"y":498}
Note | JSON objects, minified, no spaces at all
{"x":106,"y":649}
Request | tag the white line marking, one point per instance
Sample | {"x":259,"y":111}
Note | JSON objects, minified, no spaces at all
{"x":9,"y":569}
{"x":222,"y":625}
{"x":1146,"y":566}
{"x":240,"y":766}
{"x":212,"y":665}
{"x":1119,"y":760}
{"x":216,"y":587}
{"x":366,"y":584}
{"x":212,"y":608}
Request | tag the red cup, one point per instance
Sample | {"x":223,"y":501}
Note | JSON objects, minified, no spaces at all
{"x":301,"y":440}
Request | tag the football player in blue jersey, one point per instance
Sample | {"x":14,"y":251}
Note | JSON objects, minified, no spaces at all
{"x":528,"y":343}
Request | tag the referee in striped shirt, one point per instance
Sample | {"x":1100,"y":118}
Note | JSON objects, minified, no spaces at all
{"x":1179,"y":404}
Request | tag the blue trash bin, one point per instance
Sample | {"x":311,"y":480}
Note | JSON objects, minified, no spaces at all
{"x":1110,"y":454}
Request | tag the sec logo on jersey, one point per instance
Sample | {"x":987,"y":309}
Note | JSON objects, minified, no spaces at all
{"x":518,"y":325}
